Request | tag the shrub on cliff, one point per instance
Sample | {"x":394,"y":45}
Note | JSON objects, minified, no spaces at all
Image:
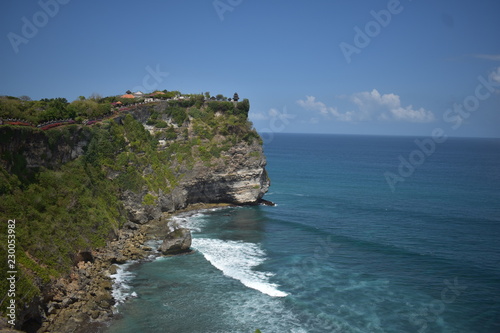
{"x":69,"y":209}
{"x":8,"y":182}
{"x":220,"y":106}
{"x":243,"y":108}
{"x":196,"y":113}
{"x":161,"y":124}
{"x":178,"y":114}
{"x":52,"y":109}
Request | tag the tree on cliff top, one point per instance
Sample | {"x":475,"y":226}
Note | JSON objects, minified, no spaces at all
{"x":243,"y":107}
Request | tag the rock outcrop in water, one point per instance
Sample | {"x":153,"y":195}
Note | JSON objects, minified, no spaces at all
{"x":177,"y":241}
{"x":186,"y":156}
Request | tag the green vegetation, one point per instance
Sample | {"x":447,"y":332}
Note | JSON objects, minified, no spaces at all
{"x":62,"y":212}
{"x":238,"y":109}
{"x":177,"y":113}
{"x":76,"y":206}
{"x":161,"y":124}
{"x":73,"y":207}
{"x":97,"y":107}
{"x":45,"y":109}
{"x":149,"y":199}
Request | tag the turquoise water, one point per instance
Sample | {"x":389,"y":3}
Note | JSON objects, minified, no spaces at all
{"x":341,"y":251}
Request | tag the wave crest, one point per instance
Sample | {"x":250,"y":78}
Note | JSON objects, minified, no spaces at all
{"x":238,"y":260}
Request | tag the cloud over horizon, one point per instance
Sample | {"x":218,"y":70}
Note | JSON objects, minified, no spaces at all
{"x":311,"y":104}
{"x":370,"y":106}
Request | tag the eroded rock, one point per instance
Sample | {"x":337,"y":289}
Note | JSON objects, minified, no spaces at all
{"x":176,"y":241}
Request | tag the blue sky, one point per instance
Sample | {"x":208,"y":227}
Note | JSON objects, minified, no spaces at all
{"x":348,"y":67}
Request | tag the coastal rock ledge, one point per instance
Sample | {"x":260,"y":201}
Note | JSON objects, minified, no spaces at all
{"x":176,"y":242}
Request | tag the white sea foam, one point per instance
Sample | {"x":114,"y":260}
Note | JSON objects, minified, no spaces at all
{"x":121,"y":290}
{"x":177,"y":221}
{"x":193,"y":221}
{"x":238,"y":260}
{"x":154,"y":244}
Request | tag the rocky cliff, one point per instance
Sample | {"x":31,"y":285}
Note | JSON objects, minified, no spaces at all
{"x":237,"y":176}
{"x":105,"y":183}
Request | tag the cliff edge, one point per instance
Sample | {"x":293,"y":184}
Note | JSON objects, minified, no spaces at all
{"x":79,"y":191}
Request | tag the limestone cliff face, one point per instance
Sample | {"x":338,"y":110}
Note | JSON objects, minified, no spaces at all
{"x":238,"y":177}
{"x":241,"y":180}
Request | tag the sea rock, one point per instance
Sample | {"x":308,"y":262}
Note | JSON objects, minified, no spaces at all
{"x":267,"y":203}
{"x":113,"y":269}
{"x":176,"y":241}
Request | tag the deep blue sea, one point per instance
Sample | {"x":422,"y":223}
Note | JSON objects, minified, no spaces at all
{"x":342,"y":251}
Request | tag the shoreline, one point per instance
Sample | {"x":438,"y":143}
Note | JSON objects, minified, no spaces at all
{"x":83,"y":302}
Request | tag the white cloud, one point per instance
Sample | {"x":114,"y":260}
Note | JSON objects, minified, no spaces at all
{"x":388,"y":107}
{"x":369,"y":106}
{"x":311,"y":104}
{"x":494,"y":57}
{"x":274,"y":116}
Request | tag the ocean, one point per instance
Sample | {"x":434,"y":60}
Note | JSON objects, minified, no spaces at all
{"x":369,"y":234}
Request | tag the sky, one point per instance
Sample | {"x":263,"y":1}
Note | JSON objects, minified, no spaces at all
{"x":387,"y":67}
